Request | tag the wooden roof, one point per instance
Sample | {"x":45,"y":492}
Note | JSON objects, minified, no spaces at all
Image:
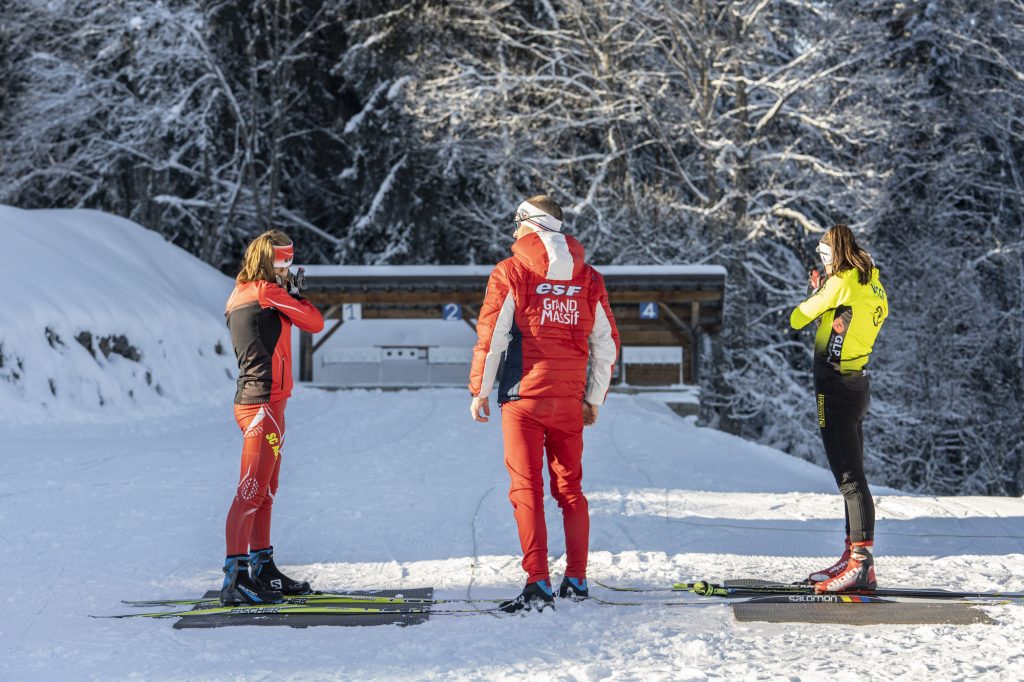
{"x":432,"y":285}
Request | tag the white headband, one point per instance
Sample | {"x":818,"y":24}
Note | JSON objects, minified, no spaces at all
{"x":528,"y":213}
{"x":825,"y":252}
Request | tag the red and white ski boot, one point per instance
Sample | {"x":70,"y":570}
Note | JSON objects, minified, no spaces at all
{"x":833,"y":570}
{"x":859,"y":574}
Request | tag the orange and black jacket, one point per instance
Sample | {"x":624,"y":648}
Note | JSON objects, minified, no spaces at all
{"x":260,"y":316}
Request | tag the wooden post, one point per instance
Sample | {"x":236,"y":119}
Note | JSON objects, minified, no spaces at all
{"x":690,"y":332}
{"x":305,"y":356}
{"x":328,"y":335}
{"x":473,"y":314}
{"x":306,"y":347}
{"x":695,"y":342}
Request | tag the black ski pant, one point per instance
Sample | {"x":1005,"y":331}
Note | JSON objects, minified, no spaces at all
{"x":842,"y":403}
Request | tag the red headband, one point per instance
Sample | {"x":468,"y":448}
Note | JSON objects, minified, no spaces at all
{"x":283,"y":255}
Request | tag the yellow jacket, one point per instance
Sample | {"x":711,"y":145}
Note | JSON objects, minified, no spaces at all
{"x":851,"y":314}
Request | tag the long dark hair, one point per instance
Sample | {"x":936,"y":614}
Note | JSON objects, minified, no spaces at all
{"x":847,"y":254}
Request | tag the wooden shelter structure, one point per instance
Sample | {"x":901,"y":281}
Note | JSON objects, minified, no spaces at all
{"x":655,"y":306}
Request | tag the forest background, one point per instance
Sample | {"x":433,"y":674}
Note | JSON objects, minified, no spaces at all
{"x":695,"y":131}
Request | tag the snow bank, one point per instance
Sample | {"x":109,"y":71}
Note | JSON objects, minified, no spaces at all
{"x":101,"y":316}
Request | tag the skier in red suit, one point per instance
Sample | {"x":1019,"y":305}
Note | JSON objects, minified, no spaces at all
{"x":260,"y":313}
{"x":544,"y":320}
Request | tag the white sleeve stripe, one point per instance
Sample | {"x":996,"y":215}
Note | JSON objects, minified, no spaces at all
{"x":285,"y":305}
{"x":499,"y":344}
{"x":603,"y":355}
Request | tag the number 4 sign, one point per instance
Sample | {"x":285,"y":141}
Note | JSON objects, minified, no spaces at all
{"x":649,"y":311}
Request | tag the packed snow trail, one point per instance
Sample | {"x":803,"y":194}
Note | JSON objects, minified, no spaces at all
{"x":391,"y":489}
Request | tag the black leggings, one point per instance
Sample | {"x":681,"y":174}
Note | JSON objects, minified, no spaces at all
{"x":842,"y":403}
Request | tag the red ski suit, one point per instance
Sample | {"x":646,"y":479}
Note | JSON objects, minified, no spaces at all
{"x":546,"y":316}
{"x":260,"y":316}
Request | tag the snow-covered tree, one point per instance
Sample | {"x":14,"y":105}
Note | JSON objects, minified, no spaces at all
{"x":672,"y":132}
{"x":951,"y":371}
{"x":727,"y":131}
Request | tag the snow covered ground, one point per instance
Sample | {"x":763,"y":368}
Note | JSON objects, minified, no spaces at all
{"x":402,"y":489}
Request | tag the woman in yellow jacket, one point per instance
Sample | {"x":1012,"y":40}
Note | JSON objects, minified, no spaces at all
{"x":850,"y":306}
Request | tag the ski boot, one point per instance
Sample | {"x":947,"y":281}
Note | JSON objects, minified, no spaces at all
{"x":858,"y":576}
{"x":239,"y":588}
{"x":266,"y":574}
{"x":575,"y":589}
{"x":833,"y":570}
{"x":537,"y":595}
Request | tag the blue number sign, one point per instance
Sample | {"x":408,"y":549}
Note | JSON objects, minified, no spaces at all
{"x":649,"y":311}
{"x":451,"y":311}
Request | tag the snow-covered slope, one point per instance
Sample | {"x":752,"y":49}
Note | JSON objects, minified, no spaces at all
{"x":100,"y":317}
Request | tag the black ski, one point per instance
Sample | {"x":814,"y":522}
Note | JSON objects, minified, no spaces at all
{"x":708,"y":589}
{"x":745,"y":588}
{"x":754,"y":599}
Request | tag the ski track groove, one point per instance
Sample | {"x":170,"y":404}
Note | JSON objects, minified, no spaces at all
{"x":304,"y":418}
{"x":43,"y":607}
{"x":415,"y":427}
{"x":629,"y":462}
{"x":476,"y":558}
{"x":623,"y":498}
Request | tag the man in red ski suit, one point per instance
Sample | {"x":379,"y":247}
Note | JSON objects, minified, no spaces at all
{"x":544,"y":318}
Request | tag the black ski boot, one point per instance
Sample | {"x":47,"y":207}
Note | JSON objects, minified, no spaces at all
{"x":239,"y":588}
{"x":536,"y":595}
{"x":575,"y":589}
{"x":268,"y":577}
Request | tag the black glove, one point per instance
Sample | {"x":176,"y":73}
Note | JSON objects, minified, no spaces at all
{"x":293,"y":284}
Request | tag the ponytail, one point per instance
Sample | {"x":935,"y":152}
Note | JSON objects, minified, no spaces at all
{"x":258,"y":264}
{"x":847,"y":254}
